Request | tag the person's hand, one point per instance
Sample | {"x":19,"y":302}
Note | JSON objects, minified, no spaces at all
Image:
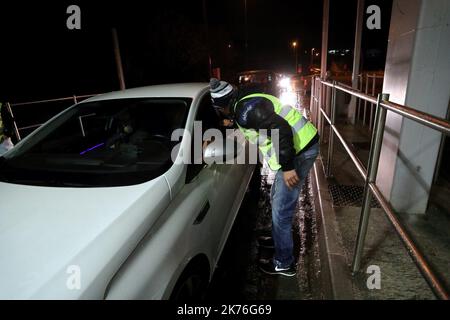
{"x":227,"y":123}
{"x":291,"y":178}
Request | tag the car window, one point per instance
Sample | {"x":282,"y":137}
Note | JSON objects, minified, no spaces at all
{"x":210,"y":120}
{"x":101,"y":143}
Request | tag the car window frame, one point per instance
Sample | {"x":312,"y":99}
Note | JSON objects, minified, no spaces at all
{"x":193,"y":170}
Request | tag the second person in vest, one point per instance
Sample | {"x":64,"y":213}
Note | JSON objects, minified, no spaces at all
{"x":257,"y":115}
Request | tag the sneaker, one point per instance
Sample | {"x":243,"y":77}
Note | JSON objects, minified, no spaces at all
{"x":266,"y":242}
{"x":269,"y":268}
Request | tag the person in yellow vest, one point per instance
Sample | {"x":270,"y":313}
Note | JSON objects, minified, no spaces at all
{"x":261,"y":117}
{"x":6,"y":129}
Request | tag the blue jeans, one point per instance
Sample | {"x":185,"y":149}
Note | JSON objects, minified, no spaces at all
{"x":284,"y":202}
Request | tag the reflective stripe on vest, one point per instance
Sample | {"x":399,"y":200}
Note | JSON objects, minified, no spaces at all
{"x":285,"y":111}
{"x":303,"y":130}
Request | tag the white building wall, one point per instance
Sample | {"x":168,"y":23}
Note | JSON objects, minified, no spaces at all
{"x":417,"y":74}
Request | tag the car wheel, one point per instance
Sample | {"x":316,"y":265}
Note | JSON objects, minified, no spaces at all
{"x":191,"y":286}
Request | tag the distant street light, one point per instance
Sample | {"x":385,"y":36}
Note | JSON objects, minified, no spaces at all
{"x":295,"y":46}
{"x":312,"y":56}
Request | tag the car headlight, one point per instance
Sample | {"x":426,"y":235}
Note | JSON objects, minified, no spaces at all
{"x":288,"y":98}
{"x":285,"y":83}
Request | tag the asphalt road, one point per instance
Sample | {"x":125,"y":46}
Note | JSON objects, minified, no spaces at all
{"x":237,"y":276}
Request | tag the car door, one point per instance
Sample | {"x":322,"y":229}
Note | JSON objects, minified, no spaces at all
{"x":225,"y":183}
{"x":230,"y":182}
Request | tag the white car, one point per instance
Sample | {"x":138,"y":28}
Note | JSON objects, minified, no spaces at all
{"x":93,"y":207}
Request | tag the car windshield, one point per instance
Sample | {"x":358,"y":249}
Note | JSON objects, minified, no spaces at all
{"x":101,"y":143}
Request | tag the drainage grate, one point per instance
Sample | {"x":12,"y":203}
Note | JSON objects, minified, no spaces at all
{"x":349,"y":196}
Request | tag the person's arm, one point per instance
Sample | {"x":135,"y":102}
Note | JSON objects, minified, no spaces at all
{"x":259,"y":114}
{"x":286,"y":153}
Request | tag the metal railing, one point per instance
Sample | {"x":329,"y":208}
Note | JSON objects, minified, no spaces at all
{"x":382,"y":105}
{"x":364,"y":80}
{"x":17,"y":130}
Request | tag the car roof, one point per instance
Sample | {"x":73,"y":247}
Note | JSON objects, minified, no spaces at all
{"x":178,"y":90}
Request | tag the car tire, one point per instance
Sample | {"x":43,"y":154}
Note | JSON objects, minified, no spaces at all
{"x":191,"y":286}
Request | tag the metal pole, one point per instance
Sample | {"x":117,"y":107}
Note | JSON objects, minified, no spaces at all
{"x":374,"y":82}
{"x":16,"y":131}
{"x":358,"y":40}
{"x":311,"y":104}
{"x":331,"y":137}
{"x":313,"y":93}
{"x":75,"y":99}
{"x":323,"y":90}
{"x":205,"y":20}
{"x":365,"y":102}
{"x":358,"y":104}
{"x":374,"y":158}
{"x":317,"y":101}
{"x":319,"y":108}
{"x":325,"y":25}
{"x":357,"y":54}
{"x":246,"y":33}
{"x":424,"y":118}
{"x":118,"y":59}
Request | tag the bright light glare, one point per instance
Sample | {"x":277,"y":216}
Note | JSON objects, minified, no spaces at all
{"x":285,"y":83}
{"x":288,"y":98}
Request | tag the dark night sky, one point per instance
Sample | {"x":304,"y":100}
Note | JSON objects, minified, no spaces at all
{"x":161,"y":41}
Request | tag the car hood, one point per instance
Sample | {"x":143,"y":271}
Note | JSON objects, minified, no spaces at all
{"x":52,"y":237}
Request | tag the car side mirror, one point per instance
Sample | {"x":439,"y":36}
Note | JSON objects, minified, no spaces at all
{"x":222,"y":152}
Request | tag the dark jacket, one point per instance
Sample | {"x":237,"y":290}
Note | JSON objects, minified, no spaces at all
{"x":8,"y":122}
{"x":258,"y":113}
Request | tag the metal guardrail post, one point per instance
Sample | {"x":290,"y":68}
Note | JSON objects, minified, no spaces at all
{"x":311,"y":103}
{"x":318,"y":102}
{"x":331,"y":137}
{"x":319,"y":107}
{"x":375,"y":150}
{"x":323,"y":105}
{"x":374,"y":82}
{"x":315,"y":103}
{"x":365,"y":102}
{"x":359,"y":100}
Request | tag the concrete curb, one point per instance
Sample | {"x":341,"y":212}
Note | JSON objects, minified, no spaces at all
{"x":336,"y":280}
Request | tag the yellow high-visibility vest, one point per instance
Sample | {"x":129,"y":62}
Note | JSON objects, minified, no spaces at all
{"x":303,"y":130}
